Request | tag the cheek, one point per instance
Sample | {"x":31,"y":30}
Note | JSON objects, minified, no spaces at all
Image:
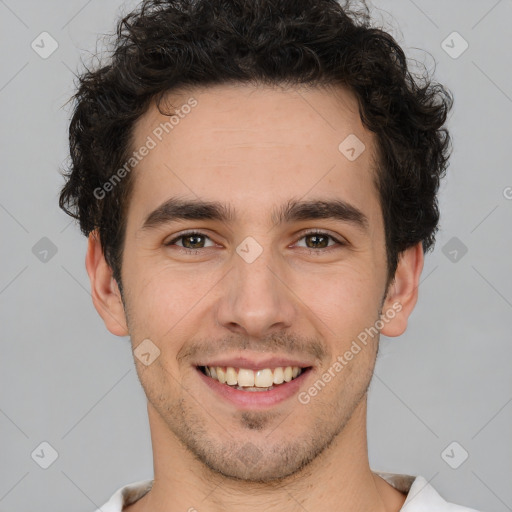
{"x":346,"y":299}
{"x":161,"y":298}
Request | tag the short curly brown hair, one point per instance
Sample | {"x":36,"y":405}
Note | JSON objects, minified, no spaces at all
{"x":167,"y":44}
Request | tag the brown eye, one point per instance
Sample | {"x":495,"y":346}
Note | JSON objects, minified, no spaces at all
{"x":191,"y":240}
{"x":319,"y":240}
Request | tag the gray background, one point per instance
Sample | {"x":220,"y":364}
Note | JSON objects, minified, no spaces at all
{"x":67,"y":381}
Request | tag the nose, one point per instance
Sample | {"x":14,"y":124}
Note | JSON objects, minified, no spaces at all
{"x":256,"y":300}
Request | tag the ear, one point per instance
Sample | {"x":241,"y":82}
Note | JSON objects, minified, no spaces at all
{"x":402,"y":293}
{"x":105,"y":293}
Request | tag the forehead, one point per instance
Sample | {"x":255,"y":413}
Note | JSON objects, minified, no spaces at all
{"x":254,"y":146}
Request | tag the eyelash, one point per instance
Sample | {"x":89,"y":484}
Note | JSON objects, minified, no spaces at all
{"x":308,"y":233}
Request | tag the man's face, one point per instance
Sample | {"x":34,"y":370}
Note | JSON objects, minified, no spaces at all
{"x":300,"y":302}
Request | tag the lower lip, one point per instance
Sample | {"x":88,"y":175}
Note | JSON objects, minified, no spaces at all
{"x":255,"y":399}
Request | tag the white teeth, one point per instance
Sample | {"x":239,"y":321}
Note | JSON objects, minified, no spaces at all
{"x":231,"y":377}
{"x":249,"y":380}
{"x":245,"y":378}
{"x":278,"y":376}
{"x":262,"y":379}
{"x":221,"y":375}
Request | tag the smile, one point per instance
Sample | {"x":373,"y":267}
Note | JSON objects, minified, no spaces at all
{"x":246,"y":379}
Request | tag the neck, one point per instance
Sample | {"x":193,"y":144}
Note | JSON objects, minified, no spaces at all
{"x":339,"y":479}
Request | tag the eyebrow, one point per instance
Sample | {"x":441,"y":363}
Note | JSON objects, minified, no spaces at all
{"x":175,"y":209}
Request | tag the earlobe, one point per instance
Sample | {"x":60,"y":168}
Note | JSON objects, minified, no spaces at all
{"x":104,"y":290}
{"x":403,"y":291}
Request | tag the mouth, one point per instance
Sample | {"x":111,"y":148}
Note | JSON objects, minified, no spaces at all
{"x":254,"y":388}
{"x":246,"y":379}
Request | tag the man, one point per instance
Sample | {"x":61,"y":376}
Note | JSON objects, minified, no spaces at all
{"x":258,"y":184}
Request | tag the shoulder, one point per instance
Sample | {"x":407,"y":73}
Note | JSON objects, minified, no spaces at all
{"x":126,"y":495}
{"x":421,"y":495}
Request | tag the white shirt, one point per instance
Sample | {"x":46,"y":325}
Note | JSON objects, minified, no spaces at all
{"x":421,"y":496}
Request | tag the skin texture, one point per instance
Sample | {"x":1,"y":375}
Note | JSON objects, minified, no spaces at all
{"x":256,"y":148}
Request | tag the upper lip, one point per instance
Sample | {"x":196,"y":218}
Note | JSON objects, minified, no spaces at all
{"x":255,"y":363}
